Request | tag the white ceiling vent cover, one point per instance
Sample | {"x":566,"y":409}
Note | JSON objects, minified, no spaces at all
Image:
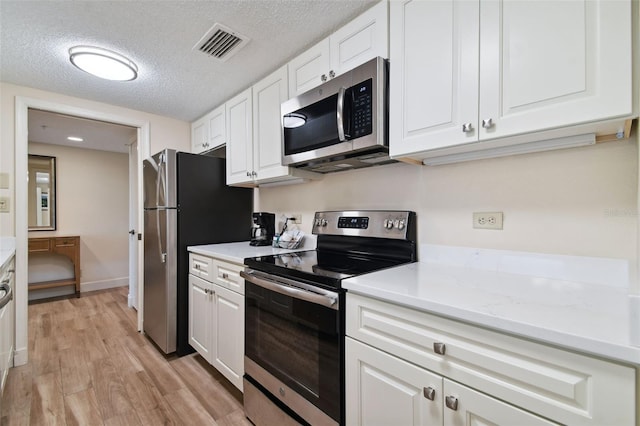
{"x":221,"y":42}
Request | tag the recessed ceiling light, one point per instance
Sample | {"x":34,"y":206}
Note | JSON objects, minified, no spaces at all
{"x":103,"y":63}
{"x":75,"y":139}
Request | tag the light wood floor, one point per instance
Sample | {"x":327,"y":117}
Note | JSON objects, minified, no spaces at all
{"x":89,"y":366}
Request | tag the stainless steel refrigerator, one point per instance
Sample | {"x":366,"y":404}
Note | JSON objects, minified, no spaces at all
{"x":186,"y":202}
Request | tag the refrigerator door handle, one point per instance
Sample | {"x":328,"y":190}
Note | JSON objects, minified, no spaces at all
{"x":162,"y":251}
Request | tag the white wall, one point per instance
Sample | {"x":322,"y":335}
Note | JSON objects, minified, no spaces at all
{"x":164,"y":132}
{"x":580,"y":201}
{"x":93,"y":202}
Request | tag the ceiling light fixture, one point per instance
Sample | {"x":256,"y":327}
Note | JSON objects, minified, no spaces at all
{"x":103,"y":63}
{"x":75,"y":139}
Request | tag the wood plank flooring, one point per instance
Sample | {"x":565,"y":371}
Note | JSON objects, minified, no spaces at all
{"x":89,"y":366}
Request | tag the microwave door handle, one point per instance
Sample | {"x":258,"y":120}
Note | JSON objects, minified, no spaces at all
{"x":340,"y":114}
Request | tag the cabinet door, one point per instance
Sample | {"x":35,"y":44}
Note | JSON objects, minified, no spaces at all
{"x":362,"y":39}
{"x":199,"y":135}
{"x":239,"y":138}
{"x":217,"y":127}
{"x":546,"y":65}
{"x":384,"y":390}
{"x":200,"y":317}
{"x":434,"y":74}
{"x":228,"y":335}
{"x":465,"y":406}
{"x":268,"y":94}
{"x":309,"y":69}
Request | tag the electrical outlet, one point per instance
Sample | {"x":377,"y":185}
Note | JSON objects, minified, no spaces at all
{"x":298,"y":218}
{"x":4,"y":205}
{"x":487,"y":220}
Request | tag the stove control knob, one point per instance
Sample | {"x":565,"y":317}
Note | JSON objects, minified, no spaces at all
{"x":323,"y":222}
{"x":388,"y":224}
{"x":317,"y":222}
{"x":400,"y":225}
{"x":396,"y":223}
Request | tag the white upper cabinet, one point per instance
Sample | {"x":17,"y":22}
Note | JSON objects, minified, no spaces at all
{"x":354,"y":44}
{"x":255,"y":158}
{"x":199,"y":135}
{"x":469,"y":71}
{"x":239,"y":131}
{"x":209,"y":131}
{"x":217,"y":127}
{"x":268,"y":94}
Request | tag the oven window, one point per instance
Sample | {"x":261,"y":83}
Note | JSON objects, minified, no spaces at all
{"x":319,"y":130}
{"x":296,"y":341}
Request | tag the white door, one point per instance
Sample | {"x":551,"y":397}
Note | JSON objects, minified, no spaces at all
{"x":228,"y":335}
{"x":268,"y":94}
{"x":134,"y":229}
{"x":200,"y":315}
{"x":467,"y":407}
{"x":434,"y":74}
{"x":239,"y":131}
{"x":309,"y":69}
{"x":362,"y":39}
{"x":551,"y":64}
{"x":384,"y":390}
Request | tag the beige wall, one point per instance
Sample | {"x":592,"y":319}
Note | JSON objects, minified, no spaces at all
{"x":580,"y":201}
{"x":93,"y":202}
{"x":164,"y":132}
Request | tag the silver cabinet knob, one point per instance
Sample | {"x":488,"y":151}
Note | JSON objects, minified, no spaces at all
{"x":323,"y":77}
{"x":439,"y":348}
{"x":451,"y":402}
{"x":332,"y":74}
{"x":248,"y":174}
{"x":225,"y":275}
{"x":429,"y":393}
{"x":487,"y":123}
{"x":467,"y":127}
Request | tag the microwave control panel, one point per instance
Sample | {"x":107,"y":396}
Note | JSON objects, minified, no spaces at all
{"x":362,"y":112}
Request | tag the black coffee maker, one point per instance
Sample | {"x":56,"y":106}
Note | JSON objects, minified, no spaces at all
{"x":263,"y":229}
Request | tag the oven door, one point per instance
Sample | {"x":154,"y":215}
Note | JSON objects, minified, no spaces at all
{"x":293,"y":336}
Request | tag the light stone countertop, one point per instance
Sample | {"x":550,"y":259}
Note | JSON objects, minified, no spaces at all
{"x":577,"y":303}
{"x":237,"y":252}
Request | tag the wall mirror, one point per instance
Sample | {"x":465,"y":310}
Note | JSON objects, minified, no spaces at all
{"x":42,"y":193}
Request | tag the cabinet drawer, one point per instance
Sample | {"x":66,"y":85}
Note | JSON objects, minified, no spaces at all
{"x":561,"y":385}
{"x":39,"y":245}
{"x":65,"y":241}
{"x":201,"y":266}
{"x":227,"y":275}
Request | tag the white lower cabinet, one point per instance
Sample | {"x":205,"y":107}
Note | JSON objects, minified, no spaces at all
{"x":216,"y":315}
{"x":385,"y":390}
{"x":405,"y":366}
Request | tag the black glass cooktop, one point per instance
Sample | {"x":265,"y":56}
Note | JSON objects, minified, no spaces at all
{"x":324,"y":268}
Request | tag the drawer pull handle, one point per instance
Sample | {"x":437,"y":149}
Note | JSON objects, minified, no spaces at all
{"x":451,"y":402}
{"x":467,"y":127}
{"x":196,"y":266}
{"x":225,"y":275}
{"x":429,"y":393}
{"x":487,"y":123}
{"x":439,"y":348}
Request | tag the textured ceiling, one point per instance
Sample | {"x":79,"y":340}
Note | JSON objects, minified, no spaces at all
{"x":174,"y":80}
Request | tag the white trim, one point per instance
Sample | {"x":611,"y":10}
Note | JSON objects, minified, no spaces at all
{"x":22,"y":105}
{"x":104,"y":284}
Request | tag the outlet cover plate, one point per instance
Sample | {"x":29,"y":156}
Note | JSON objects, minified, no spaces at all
{"x":487,"y":220}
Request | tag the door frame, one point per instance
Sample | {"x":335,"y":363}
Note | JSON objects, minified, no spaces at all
{"x":22,"y":105}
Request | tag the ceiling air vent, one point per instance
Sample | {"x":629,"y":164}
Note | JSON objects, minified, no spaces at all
{"x":221,"y":42}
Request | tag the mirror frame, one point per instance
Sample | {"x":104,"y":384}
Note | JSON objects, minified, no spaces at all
{"x":53,"y":193}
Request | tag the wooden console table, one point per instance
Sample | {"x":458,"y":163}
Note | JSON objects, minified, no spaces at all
{"x":66,"y":246}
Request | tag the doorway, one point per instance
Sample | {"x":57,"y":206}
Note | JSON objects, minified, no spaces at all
{"x":21,"y":151}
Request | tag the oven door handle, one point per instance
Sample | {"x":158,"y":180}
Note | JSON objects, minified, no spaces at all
{"x":330,"y":301}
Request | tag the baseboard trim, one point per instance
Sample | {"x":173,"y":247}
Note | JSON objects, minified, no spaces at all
{"x":20,"y":357}
{"x":103,"y":285}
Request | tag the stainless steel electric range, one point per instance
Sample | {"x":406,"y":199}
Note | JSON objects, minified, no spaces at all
{"x":294,"y":314}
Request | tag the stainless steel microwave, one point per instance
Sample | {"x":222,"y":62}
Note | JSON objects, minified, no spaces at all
{"x":341,"y":124}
